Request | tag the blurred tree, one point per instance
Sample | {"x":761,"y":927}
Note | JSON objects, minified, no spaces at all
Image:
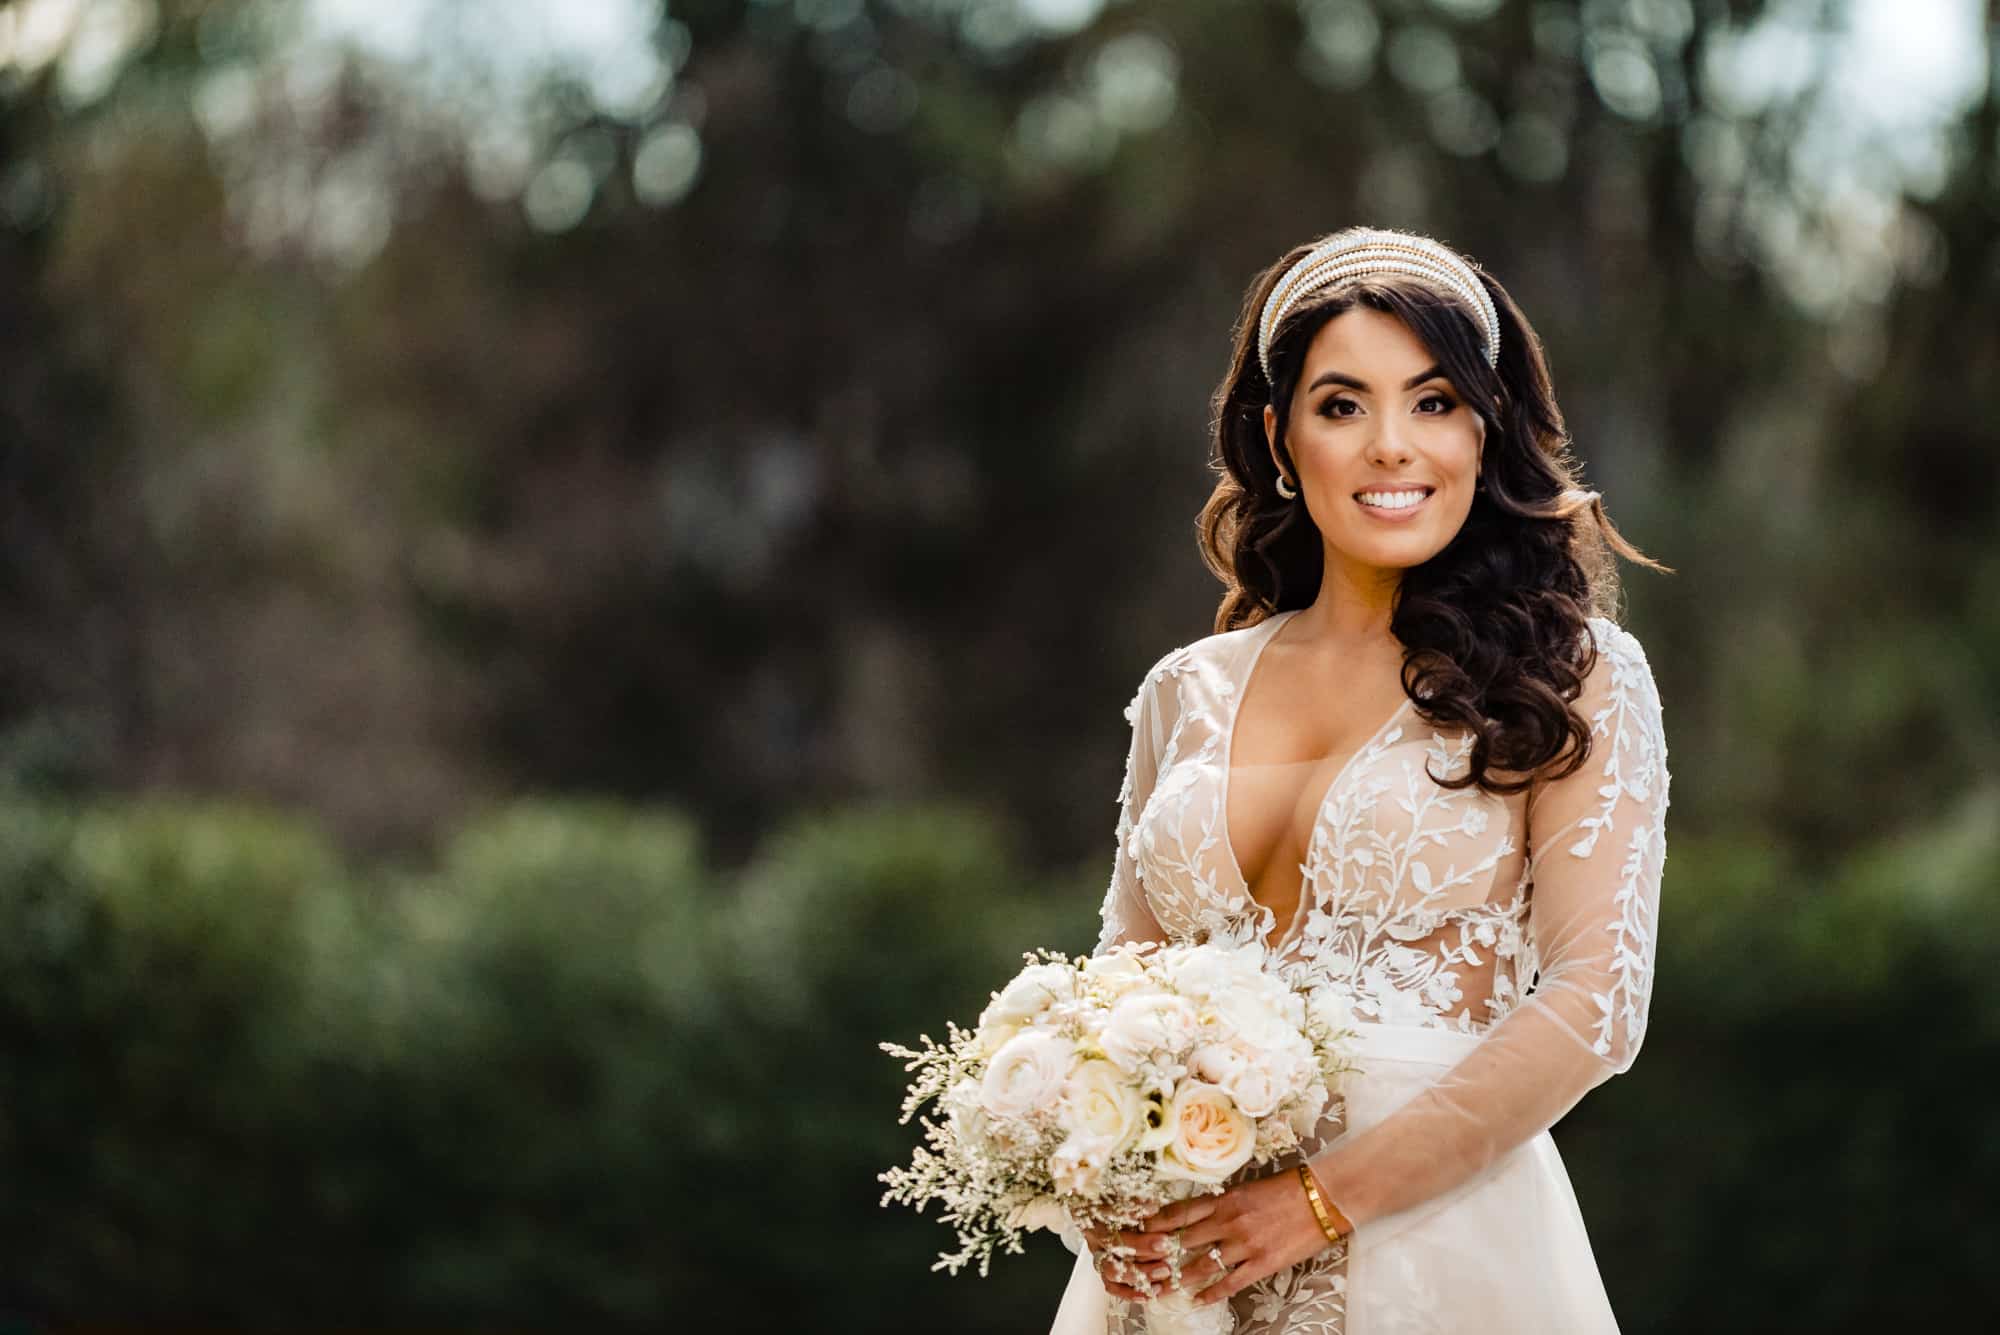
{"x":716,"y":422}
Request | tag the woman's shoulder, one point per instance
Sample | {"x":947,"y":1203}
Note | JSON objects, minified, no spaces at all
{"x":1621,"y":658}
{"x":1208,"y":653}
{"x":1620,"y":703}
{"x":1608,"y":634}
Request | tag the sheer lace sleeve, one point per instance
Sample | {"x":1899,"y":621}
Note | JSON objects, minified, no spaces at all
{"x":1125,"y":918}
{"x":1597,"y":843}
{"x":1125,"y":914}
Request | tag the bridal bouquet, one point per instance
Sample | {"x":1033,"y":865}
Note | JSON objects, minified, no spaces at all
{"x":1096,"y":1091}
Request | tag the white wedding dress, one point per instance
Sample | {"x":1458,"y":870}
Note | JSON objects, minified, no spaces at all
{"x":1497,"y":953}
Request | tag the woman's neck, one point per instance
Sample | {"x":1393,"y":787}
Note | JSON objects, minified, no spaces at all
{"x":1353,"y":607}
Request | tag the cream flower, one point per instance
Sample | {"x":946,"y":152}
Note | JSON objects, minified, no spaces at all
{"x":1258,"y":1079}
{"x":1026,"y":1075}
{"x":1156,"y":1132}
{"x":1258,"y":1088}
{"x":993,"y":1037}
{"x":1211,"y":1137}
{"x":1028,"y":994}
{"x":1115,"y":972}
{"x":1100,"y":1100}
{"x":1253,"y":1016}
{"x":1146,"y":1025}
{"x":961,"y":1105}
{"x":1217,"y":1063}
{"x":1211,"y":973}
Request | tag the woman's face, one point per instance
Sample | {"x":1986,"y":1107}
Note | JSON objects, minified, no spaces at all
{"x":1374,"y":427}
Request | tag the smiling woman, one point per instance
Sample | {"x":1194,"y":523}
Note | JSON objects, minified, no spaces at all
{"x":1438,"y":485}
{"x":1348,"y":433}
{"x":1422,"y":768}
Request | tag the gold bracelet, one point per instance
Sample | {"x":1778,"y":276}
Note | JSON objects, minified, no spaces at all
{"x":1324,"y":1211}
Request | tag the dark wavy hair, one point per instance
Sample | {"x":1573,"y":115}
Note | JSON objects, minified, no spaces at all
{"x":1494,"y":626}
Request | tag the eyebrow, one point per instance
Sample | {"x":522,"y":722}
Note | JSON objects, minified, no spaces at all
{"x":1336,"y":378}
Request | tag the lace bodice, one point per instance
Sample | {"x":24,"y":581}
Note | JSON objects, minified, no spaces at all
{"x":1528,"y":920}
{"x":1425,"y":905}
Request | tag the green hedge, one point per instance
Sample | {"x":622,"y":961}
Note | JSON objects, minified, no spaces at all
{"x":570,"y":1075}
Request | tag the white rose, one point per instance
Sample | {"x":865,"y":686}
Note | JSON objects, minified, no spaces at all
{"x":1214,"y":971}
{"x":1256,"y":1079}
{"x":1256,"y":1089}
{"x":1031,"y":992}
{"x":1250,"y":1017}
{"x":1078,"y":1163}
{"x":993,"y":1037}
{"x":961,"y":1104}
{"x":1101,"y":1100}
{"x":1026,"y":1075}
{"x":1217,"y":1063}
{"x":1211,"y":1137}
{"x":1116,"y":972}
{"x":1146,"y":1024}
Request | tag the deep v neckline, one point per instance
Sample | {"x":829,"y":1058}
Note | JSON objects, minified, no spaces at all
{"x":1270,"y":629}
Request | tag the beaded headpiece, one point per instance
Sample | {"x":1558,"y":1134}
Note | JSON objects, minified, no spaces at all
{"x":1360,"y":251}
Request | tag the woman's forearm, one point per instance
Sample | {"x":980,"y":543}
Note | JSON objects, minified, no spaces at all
{"x":1527,"y":1073}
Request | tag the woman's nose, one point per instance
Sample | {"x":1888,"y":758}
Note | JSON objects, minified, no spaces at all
{"x":1388,"y":445}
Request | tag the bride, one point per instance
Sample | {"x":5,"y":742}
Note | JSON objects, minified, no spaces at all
{"x":1421,"y":763}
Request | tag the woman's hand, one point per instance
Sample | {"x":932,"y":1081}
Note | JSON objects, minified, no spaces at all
{"x":1256,"y":1229}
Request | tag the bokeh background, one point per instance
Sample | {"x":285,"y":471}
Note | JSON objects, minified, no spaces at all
{"x":545,"y":549}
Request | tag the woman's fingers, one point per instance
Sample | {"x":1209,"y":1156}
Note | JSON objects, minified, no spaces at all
{"x":1199,"y":1276}
{"x":1181,"y":1214}
{"x":1239,"y":1278}
{"x":1103,"y":1240}
{"x":1121,"y":1291}
{"x":1201,"y":1266}
{"x":1214,"y":1263}
{"x":1200,"y":1237}
{"x":1157,"y":1246}
{"x":1194,"y":1240}
{"x":1124,"y":1278}
{"x":1142,"y":1271}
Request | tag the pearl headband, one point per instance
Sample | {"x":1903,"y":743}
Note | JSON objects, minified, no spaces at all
{"x":1358,"y":252}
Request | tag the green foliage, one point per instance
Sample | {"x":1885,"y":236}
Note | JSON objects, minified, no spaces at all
{"x":559,"y":1076}
{"x":1799,"y":1131}
{"x":571,"y":1075}
{"x":853,"y":928}
{"x":154,"y":959}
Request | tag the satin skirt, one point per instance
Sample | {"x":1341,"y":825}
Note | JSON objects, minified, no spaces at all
{"x":1503,"y":1253}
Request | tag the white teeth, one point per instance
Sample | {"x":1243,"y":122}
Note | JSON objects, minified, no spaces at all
{"x":1392,"y":500}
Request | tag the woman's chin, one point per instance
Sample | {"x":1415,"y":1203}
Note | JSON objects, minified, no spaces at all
{"x":1397,"y":553}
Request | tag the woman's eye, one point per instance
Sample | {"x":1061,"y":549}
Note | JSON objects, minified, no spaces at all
{"x":1437,"y":405}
